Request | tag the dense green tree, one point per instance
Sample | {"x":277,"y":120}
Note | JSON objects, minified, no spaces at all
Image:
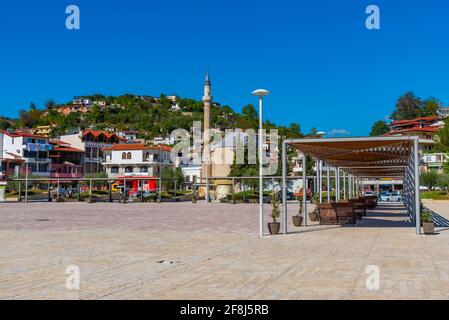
{"x":171,"y":175}
{"x":379,"y":128}
{"x":430,"y":107}
{"x":429,"y":179}
{"x":442,"y":138}
{"x":249,"y":112}
{"x":408,"y":107}
{"x":50,"y":104}
{"x":443,"y":182}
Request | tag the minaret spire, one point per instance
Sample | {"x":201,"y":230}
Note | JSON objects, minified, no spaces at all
{"x":207,"y":101}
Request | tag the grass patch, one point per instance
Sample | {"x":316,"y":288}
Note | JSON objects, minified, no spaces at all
{"x":434,"y":195}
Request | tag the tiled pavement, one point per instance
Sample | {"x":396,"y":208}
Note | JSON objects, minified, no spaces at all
{"x":190,"y":251}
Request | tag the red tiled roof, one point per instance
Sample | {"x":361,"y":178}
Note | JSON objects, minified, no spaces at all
{"x":414,"y":129}
{"x":96,"y":134}
{"x":429,"y":118}
{"x":137,"y":146}
{"x":67,"y":149}
{"x":23,"y":134}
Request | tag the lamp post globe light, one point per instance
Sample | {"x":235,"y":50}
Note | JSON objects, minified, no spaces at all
{"x":260,"y":93}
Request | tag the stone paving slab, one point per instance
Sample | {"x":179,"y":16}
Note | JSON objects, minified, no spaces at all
{"x":211,"y":251}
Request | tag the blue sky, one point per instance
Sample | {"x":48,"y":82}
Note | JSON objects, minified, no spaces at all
{"x":323,"y":67}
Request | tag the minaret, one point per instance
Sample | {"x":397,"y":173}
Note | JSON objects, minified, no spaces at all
{"x":207,"y":100}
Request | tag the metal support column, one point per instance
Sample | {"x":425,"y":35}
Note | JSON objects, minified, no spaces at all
{"x":26,"y":182}
{"x":337,"y":184}
{"x":328,"y":189}
{"x":304,"y":189}
{"x":320,"y":186}
{"x":349,"y":186}
{"x":344,"y":185}
{"x":284,"y":187}
{"x":416,"y":185}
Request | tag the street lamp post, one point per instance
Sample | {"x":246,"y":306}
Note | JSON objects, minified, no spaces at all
{"x":260,"y":93}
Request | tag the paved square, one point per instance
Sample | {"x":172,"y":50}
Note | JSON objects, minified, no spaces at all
{"x":211,"y":251}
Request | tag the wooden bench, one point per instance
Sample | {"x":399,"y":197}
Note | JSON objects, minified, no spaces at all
{"x":371,"y":202}
{"x":359,"y":207}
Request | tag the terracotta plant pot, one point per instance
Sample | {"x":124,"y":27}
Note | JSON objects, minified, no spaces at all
{"x":429,"y":227}
{"x":274,"y":227}
{"x":313,"y":216}
{"x":297,"y":221}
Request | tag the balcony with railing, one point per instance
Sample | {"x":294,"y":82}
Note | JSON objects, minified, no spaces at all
{"x":65,"y":171}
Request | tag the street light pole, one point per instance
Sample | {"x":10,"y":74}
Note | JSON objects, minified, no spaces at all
{"x":260,"y":93}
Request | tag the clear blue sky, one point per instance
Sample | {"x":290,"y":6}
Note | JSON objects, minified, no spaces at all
{"x":323,"y":67}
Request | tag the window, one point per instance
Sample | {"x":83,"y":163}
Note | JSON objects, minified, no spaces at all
{"x":128,"y":156}
{"x":114,"y":169}
{"x":129,"y":170}
{"x":43,"y":167}
{"x":124,"y":155}
{"x":147,"y":156}
{"x":143,"y":169}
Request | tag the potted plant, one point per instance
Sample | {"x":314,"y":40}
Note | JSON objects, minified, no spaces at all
{"x":427,"y":223}
{"x":314,"y":215}
{"x":297,"y":219}
{"x":275,"y":226}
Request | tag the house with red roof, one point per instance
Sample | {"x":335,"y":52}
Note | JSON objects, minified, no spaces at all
{"x":424,"y":127}
{"x":128,"y":161}
{"x":67,"y":162}
{"x":92,"y":143}
{"x":22,"y":152}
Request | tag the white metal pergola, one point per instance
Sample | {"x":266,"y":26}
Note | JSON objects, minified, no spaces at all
{"x":358,"y":158}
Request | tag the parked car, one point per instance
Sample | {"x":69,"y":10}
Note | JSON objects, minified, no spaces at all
{"x":369,"y":194}
{"x":394,"y":196}
{"x":383,"y":196}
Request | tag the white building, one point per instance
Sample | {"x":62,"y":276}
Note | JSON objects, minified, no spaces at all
{"x":82,"y":101}
{"x":433,"y":162}
{"x":92,"y":143}
{"x":21,"y":150}
{"x":136,"y":160}
{"x":443,"y":112}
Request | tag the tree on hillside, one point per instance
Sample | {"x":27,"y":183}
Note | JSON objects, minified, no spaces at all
{"x":442,"y":138}
{"x":430,"y":107}
{"x":249,"y":112}
{"x":379,"y":128}
{"x":4,"y":124}
{"x":408,"y":107}
{"x":50,"y":104}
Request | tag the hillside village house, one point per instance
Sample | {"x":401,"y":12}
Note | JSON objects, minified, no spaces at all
{"x":24,"y":150}
{"x":79,"y":104}
{"x":125,"y":161}
{"x":425,"y":128}
{"x":92,"y":143}
{"x":67,"y":162}
{"x":434,"y":162}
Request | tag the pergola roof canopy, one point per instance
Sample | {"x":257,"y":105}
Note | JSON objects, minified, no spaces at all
{"x":365,"y":156}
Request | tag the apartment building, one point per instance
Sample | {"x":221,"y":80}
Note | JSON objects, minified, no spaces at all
{"x":92,"y":143}
{"x":21,"y":151}
{"x":136,"y":160}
